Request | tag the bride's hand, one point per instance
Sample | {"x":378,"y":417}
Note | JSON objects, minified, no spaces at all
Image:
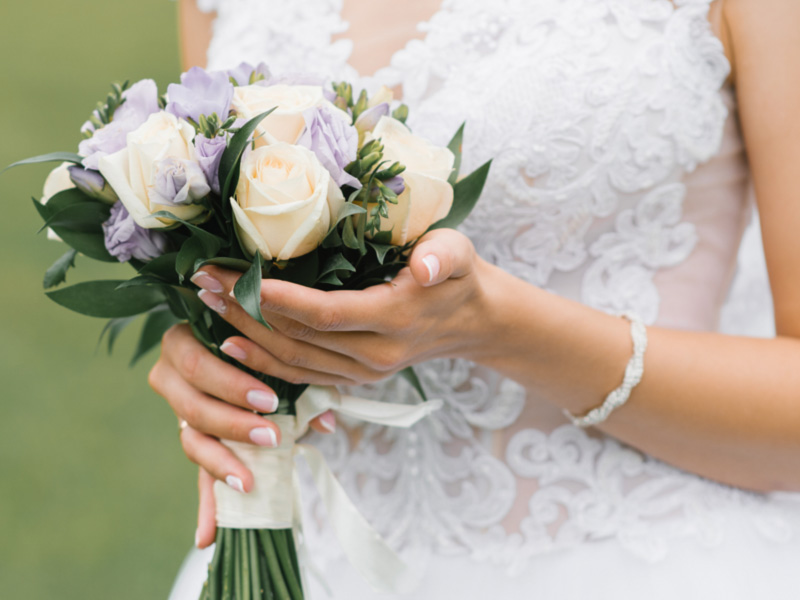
{"x":213,"y":399}
{"x":433,"y":308}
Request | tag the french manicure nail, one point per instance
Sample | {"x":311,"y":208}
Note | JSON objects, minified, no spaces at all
{"x":264,"y":436}
{"x":262,"y":400}
{"x":235,"y":483}
{"x":197,"y":539}
{"x":212,"y":301}
{"x":328,"y":421}
{"x":233,"y":351}
{"x":432,"y":263}
{"x":207,"y":282}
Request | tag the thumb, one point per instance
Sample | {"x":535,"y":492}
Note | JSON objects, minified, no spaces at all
{"x":440,"y":255}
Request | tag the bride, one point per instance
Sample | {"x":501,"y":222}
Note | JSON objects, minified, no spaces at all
{"x":625,"y":135}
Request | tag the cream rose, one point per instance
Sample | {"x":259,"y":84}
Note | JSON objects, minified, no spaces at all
{"x":57,"y":181}
{"x":285,"y":201}
{"x":131,"y":172}
{"x":428,"y":196}
{"x":286,"y":122}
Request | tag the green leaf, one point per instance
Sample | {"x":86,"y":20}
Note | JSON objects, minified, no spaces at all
{"x":333,"y":239}
{"x":89,"y":244}
{"x":154,"y":328}
{"x":58,"y":272}
{"x":140,"y":280}
{"x":348,"y":209}
{"x":330,"y":279}
{"x":232,"y":155}
{"x":349,"y":235}
{"x":411,"y":377}
{"x":66,"y":198}
{"x":86,"y":217}
{"x":381,"y":250}
{"x":465,"y":195}
{"x":211,"y":242}
{"x":103,"y":299}
{"x":455,"y":147}
{"x":113,"y":328}
{"x":248,"y":291}
{"x":235,"y":264}
{"x":192,"y":250}
{"x":43,"y":158}
{"x":337,"y":262}
{"x":162,"y":267}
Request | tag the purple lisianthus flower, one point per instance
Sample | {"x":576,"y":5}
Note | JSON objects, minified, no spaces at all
{"x":369,"y":118}
{"x":209,"y":153}
{"x":91,"y":183}
{"x":245,"y":72}
{"x":397,"y":184}
{"x":333,"y":140}
{"x":124,"y":239}
{"x":178,"y":181}
{"x":200,"y":93}
{"x":141,"y":100}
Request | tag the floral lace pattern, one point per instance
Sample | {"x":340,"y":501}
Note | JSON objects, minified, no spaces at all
{"x":593,"y":111}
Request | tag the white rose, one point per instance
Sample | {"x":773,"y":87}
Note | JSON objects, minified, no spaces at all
{"x":57,"y":181}
{"x":428,"y":196}
{"x":286,"y":122}
{"x":131,"y":172}
{"x":285,"y":202}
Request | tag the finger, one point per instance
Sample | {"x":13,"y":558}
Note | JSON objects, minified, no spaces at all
{"x":206,"y":511}
{"x":343,"y":310}
{"x":323,"y":367}
{"x":216,"y":459}
{"x":440,"y":255}
{"x":324,"y":423}
{"x":213,"y":376}
{"x":214,"y":417}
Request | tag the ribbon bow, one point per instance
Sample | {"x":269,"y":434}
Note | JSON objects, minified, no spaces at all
{"x":271,"y":504}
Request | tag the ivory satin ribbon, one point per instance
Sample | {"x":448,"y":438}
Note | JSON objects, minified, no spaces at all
{"x":271,"y":503}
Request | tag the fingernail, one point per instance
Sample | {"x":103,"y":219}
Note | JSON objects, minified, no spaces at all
{"x":207,"y":282}
{"x":262,"y":400}
{"x":432,"y":263}
{"x":212,"y":301}
{"x":235,"y":483}
{"x":328,"y":421}
{"x":233,"y":351}
{"x":197,"y":539}
{"x":264,"y":436}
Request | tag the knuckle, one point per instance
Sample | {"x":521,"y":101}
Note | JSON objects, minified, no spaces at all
{"x":329,"y":320}
{"x":300,"y":331}
{"x":191,"y":362}
{"x":294,"y":358}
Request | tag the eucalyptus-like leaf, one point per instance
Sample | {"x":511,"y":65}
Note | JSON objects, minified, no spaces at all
{"x":465,"y":195}
{"x":58,"y":272}
{"x":103,"y":299}
{"x":87,"y":217}
{"x":154,"y":328}
{"x":348,"y":209}
{"x":112,"y":329}
{"x":211,"y":242}
{"x":411,"y":377}
{"x":232,"y":155}
{"x":455,"y":146}
{"x":335,"y":263}
{"x":43,"y":158}
{"x":248,"y":291}
{"x":191,"y":251}
{"x":349,"y":235}
{"x":381,"y":250}
{"x":330,"y":279}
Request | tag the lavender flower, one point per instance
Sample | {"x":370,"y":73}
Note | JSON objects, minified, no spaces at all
{"x":333,"y":140}
{"x":91,"y":183}
{"x":124,"y":239}
{"x":209,"y":153}
{"x":369,"y":118}
{"x":245,"y":72}
{"x":141,"y":100}
{"x":200,"y":93}
{"x":178,"y":181}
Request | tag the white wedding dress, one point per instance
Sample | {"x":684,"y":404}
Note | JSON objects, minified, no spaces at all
{"x":619,"y":180}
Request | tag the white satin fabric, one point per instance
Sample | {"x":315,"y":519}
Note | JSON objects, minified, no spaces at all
{"x":620,"y":181}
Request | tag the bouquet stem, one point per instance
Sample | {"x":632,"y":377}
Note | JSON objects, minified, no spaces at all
{"x":253,"y":564}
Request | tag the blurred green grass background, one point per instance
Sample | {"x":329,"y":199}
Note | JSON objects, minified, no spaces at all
{"x":96,"y":498}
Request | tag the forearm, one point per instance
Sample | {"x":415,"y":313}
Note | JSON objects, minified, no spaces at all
{"x":726,"y":408}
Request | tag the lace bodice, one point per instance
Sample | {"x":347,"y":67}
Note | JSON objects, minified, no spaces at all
{"x":619,"y":181}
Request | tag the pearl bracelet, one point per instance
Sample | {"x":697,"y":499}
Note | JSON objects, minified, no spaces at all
{"x":633,"y":375}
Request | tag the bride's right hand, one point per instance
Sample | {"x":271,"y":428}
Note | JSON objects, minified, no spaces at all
{"x":213,"y":399}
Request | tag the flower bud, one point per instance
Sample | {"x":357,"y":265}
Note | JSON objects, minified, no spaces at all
{"x":92,"y":183}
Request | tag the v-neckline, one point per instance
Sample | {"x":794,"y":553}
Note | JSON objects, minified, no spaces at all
{"x":403,"y":48}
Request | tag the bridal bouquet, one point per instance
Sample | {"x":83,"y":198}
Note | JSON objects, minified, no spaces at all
{"x":273,"y":178}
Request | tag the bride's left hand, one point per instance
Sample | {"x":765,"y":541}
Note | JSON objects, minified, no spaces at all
{"x":433,"y":308}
